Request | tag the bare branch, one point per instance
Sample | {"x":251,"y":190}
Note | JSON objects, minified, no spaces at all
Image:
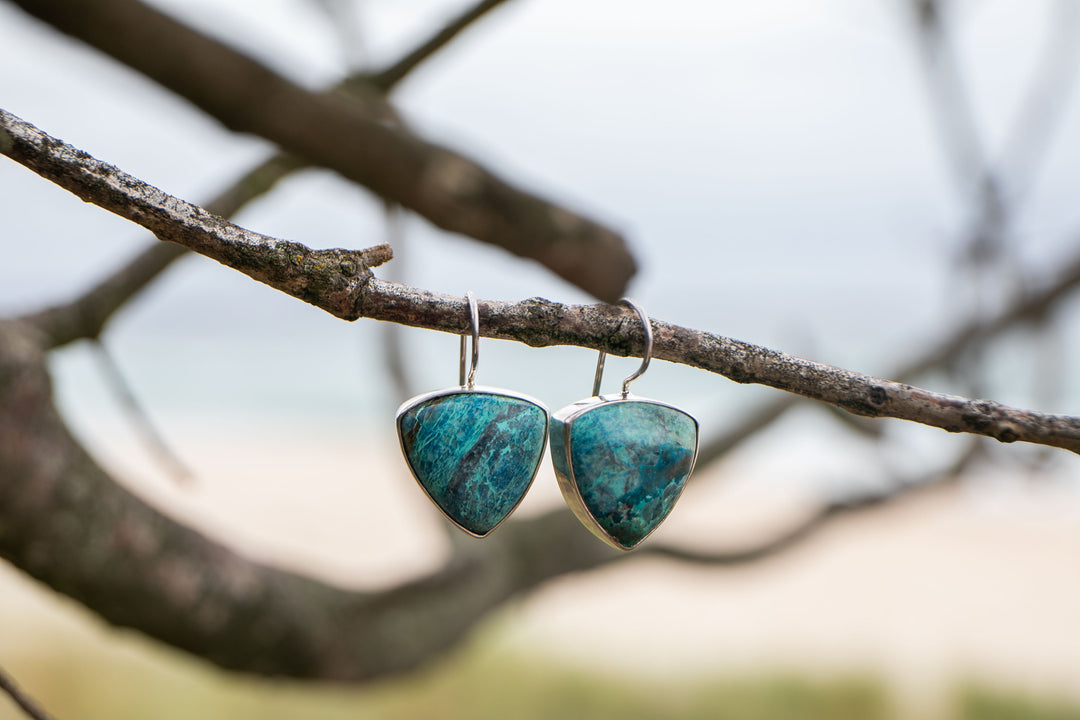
{"x":397,"y":72}
{"x":960,"y":140}
{"x":959,"y":132}
{"x":340,"y":282}
{"x":998,"y":183}
{"x":341,"y":17}
{"x":1047,"y":98}
{"x":85,"y":316}
{"x":138,"y":568}
{"x":1031,"y":307}
{"x":820,"y":518}
{"x":349,"y":137}
{"x":752,"y":423}
{"x":326,"y":278}
{"x":541,"y":323}
{"x":21,"y":699}
{"x":140,"y":420}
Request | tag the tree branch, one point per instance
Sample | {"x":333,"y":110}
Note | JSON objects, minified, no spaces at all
{"x":326,"y":278}
{"x":64,"y":521}
{"x":21,"y":699}
{"x":957,"y":126}
{"x":397,"y":72}
{"x":154,"y":441}
{"x":1032,"y":307}
{"x":340,"y":282}
{"x":85,"y":316}
{"x":327,"y":129}
{"x":822,"y":517}
{"x":1040,"y":113}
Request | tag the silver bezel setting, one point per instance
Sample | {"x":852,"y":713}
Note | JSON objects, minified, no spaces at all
{"x":571,"y":493}
{"x":482,"y":390}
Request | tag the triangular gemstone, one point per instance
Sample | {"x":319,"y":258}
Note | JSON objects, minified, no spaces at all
{"x":474,"y":452}
{"x":624,"y":462}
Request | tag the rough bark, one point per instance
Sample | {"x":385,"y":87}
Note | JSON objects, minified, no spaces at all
{"x":340,"y":282}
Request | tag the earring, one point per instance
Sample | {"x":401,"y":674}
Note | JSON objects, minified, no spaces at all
{"x":622,"y":461}
{"x":474,"y":450}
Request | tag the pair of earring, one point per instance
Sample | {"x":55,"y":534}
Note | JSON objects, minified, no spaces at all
{"x":621,"y":461}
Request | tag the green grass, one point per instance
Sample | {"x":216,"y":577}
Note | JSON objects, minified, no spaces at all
{"x":482,"y":685}
{"x":126,"y":678}
{"x":975,"y":703}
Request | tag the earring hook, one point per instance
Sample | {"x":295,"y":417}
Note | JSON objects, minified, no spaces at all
{"x":646,"y":356}
{"x":474,"y":316}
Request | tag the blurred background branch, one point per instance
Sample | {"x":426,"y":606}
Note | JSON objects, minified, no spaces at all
{"x":86,"y":315}
{"x":846,"y":504}
{"x":21,"y":699}
{"x":349,"y":137}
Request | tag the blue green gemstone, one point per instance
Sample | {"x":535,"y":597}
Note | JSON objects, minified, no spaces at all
{"x":629,"y":461}
{"x":474,"y":452}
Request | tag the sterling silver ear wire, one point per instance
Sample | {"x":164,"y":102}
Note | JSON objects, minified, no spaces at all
{"x":622,"y":461}
{"x":474,"y":450}
{"x":645,"y":358}
{"x":474,"y":316}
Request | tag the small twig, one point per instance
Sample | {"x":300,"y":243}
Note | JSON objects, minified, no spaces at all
{"x":823,"y":516}
{"x":342,"y":20}
{"x":85,"y":316}
{"x":956,"y":120}
{"x":395,"y":73}
{"x":25,"y":703}
{"x":1001,"y":181}
{"x":137,"y":415}
{"x":1032,"y":307}
{"x":865,"y":427}
{"x":973,"y":172}
{"x":1000,"y":184}
{"x":1047,"y":98}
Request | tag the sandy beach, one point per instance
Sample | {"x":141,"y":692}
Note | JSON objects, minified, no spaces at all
{"x":951,"y":585}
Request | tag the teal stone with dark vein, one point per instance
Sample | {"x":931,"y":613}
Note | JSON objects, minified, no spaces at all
{"x":475,"y":453}
{"x":630,"y":461}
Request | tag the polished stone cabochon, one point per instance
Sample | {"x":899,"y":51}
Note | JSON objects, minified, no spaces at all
{"x":630,"y":460}
{"x":474,"y":452}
